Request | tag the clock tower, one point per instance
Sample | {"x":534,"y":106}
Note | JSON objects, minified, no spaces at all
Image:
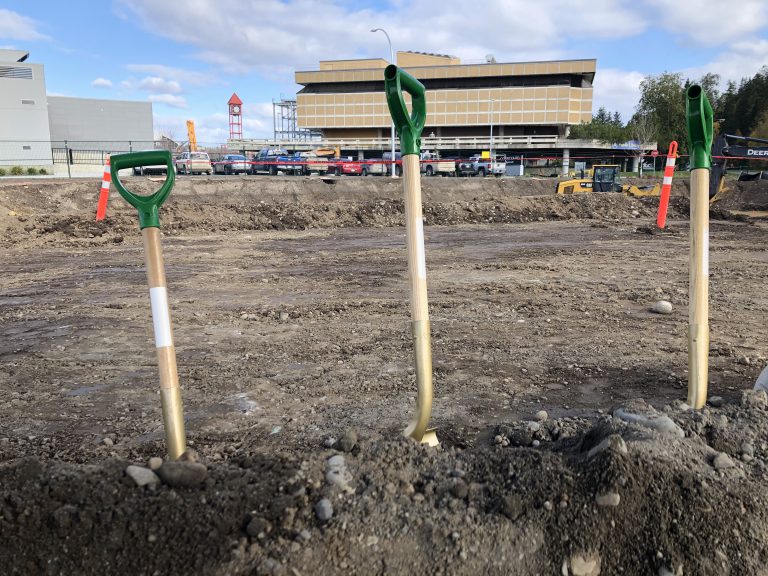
{"x":235,"y":118}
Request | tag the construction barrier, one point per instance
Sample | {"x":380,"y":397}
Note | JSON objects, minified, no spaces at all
{"x":106,"y":182}
{"x":666,"y":186}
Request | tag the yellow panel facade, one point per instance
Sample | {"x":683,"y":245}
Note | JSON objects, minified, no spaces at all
{"x":555,"y":104}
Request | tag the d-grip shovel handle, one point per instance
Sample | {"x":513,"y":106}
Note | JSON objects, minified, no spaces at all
{"x":698,"y":112}
{"x":146,"y":205}
{"x":408,"y":127}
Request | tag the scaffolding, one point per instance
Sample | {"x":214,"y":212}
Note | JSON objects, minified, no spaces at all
{"x":285,"y":122}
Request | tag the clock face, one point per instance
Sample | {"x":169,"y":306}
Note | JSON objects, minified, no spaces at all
{"x":236,"y":109}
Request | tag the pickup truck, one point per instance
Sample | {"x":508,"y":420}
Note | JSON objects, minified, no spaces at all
{"x":312,"y":163}
{"x":273,"y":160}
{"x":431,"y":165}
{"x":340,"y":167}
{"x":479,"y":166}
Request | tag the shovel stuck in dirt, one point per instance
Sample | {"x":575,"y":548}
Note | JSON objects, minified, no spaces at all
{"x":409,"y":129}
{"x":699,"y":119}
{"x":149,"y":223}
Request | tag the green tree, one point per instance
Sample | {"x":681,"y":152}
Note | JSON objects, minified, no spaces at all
{"x":662,"y":102}
{"x":605,"y":127}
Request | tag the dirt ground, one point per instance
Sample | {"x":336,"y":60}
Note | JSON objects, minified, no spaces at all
{"x":290,"y":317}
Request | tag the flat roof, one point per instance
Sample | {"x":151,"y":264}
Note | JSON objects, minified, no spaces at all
{"x":585,"y":66}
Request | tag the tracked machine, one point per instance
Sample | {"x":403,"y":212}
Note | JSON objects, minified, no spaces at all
{"x":605,"y":178}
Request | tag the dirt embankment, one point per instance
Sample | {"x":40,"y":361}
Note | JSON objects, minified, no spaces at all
{"x":50,"y":212}
{"x":641,"y":492}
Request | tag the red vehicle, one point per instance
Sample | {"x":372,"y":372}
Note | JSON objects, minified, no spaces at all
{"x":340,"y":167}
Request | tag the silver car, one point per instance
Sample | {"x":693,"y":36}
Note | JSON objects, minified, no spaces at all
{"x":231,"y":164}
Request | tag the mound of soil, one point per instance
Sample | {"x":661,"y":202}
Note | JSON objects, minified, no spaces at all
{"x":639,"y":492}
{"x":34,"y":214}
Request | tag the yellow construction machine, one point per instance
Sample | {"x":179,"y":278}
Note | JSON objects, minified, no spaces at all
{"x":605,"y":178}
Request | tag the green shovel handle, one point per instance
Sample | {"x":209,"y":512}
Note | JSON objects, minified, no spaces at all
{"x":146,"y":205}
{"x":408,"y":127}
{"x":698,"y":113}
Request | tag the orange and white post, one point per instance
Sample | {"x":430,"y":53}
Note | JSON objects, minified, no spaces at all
{"x":106,"y":182}
{"x":666,"y":185}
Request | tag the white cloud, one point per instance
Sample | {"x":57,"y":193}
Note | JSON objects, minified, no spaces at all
{"x":189,"y":77}
{"x":711,"y":23}
{"x":14,"y":26}
{"x":213,"y":129}
{"x":740,"y":60}
{"x":617,"y":90}
{"x":171,"y":100}
{"x":294,"y":34}
{"x":158,"y":85}
{"x":102,"y":83}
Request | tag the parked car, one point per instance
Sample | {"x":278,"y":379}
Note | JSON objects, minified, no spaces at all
{"x":273,"y":160}
{"x":231,"y":164}
{"x":431,"y":165}
{"x":194,"y":162}
{"x":479,"y":166}
{"x":149,"y":170}
{"x":340,"y":167}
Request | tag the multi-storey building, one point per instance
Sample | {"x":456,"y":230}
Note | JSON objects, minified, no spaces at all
{"x":345,"y":98}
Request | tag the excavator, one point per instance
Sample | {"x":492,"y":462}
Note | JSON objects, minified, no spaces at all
{"x":605,"y":178}
{"x":729,"y":147}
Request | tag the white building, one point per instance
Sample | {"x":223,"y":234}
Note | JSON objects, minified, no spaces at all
{"x":36,"y":129}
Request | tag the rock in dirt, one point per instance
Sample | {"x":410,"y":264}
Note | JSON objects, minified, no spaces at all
{"x":189,"y":455}
{"x":257,"y":527}
{"x":182,"y":474}
{"x":722,"y":461}
{"x":662,"y":307}
{"x":542,"y":415}
{"x":652,"y":420}
{"x":155,"y":462}
{"x":614,"y":443}
{"x":608,"y":499}
{"x":324,"y":510}
{"x":585,"y":565}
{"x":348,"y":441}
{"x":142,"y":476}
{"x":716,"y":401}
{"x":336,"y":473}
{"x":762,"y":380}
{"x":512,"y":506}
{"x":754,"y":399}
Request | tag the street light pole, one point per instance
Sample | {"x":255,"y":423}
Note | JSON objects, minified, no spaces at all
{"x":391,"y":61}
{"x":491,"y":138}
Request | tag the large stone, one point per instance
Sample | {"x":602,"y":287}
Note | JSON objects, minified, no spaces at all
{"x":337,"y":474}
{"x":324,"y":510}
{"x":614,"y":443}
{"x":722,"y":461}
{"x":142,"y":476}
{"x":348,"y":441}
{"x":608,"y":499}
{"x":662,"y":307}
{"x":182,"y":474}
{"x":657,"y":422}
{"x":762,"y":380}
{"x":585,"y":565}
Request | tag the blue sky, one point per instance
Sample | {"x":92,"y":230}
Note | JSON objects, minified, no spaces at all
{"x":188,"y":56}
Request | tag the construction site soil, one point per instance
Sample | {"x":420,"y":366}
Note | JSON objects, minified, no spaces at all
{"x":566,"y":447}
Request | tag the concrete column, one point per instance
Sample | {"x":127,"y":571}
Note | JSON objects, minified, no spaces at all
{"x":361,"y":155}
{"x":635,"y":163}
{"x":566,"y":162}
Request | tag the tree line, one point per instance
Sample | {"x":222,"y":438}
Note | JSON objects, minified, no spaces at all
{"x":740,"y":109}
